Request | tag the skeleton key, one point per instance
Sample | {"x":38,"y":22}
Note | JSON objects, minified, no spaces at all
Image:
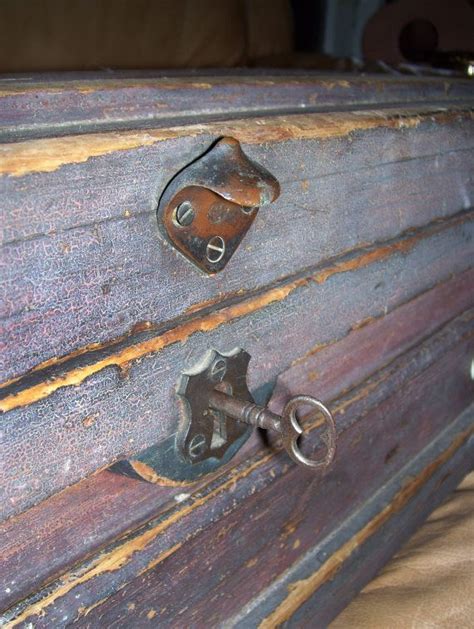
{"x":216,"y":413}
{"x":286,"y":425}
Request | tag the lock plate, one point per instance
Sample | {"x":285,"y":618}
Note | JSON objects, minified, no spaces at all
{"x":217,"y":416}
{"x":207,"y":433}
{"x":199,"y":445}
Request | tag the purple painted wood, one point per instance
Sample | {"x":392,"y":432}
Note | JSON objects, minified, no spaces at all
{"x":112,"y":504}
{"x":89,"y":229}
{"x":124,"y":407}
{"x":265,"y":528}
{"x":355,"y":286}
{"x":88,"y":101}
{"x":276,"y":511}
{"x":433,"y":474}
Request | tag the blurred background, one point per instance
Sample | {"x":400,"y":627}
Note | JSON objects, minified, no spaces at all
{"x":414,"y":36}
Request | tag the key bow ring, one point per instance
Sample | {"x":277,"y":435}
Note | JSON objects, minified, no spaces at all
{"x":291,"y":430}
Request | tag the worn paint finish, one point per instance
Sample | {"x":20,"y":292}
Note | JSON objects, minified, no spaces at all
{"x":356,"y":569}
{"x":104,"y":496}
{"x":205,"y":323}
{"x":335,"y":367}
{"x":92,"y":102}
{"x":301,"y":591}
{"x":100,"y":319}
{"x":265,"y":527}
{"x":58,"y":449}
{"x":90,"y":230}
{"x":47,"y":155}
{"x":268,"y":480}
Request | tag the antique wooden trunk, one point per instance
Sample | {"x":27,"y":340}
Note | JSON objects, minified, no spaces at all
{"x":172,"y":247}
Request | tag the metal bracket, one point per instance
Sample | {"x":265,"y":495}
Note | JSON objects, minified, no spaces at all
{"x":208,"y":207}
{"x":207,"y":433}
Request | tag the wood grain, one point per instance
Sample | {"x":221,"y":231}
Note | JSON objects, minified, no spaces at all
{"x":87,"y":101}
{"x":89,"y":228}
{"x":355,"y":286}
{"x":49,"y":444}
{"x":270,"y":531}
{"x":48,"y":155}
{"x":114,"y":504}
{"x":123,"y":356}
{"x":352,"y":563}
{"x":299,"y":506}
{"x":330,"y":369}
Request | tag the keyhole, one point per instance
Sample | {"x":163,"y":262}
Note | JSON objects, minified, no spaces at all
{"x":218,"y":370}
{"x":197,"y":446}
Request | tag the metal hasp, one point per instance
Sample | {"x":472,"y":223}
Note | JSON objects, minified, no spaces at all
{"x":208,"y":207}
{"x":218,"y":407}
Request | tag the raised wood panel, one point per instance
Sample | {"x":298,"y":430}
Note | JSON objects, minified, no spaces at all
{"x":57,"y":432}
{"x":295,"y":508}
{"x":112,"y":503}
{"x":79,"y":213}
{"x":316,"y":588}
{"x":85,"y":102}
{"x":270,"y":531}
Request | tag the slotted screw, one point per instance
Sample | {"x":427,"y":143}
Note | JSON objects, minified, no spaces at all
{"x":184,"y":214}
{"x":215,"y":249}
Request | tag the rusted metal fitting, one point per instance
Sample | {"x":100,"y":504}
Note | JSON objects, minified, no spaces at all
{"x":208,"y":207}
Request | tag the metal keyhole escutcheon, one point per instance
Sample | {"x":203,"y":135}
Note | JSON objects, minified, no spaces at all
{"x":218,"y":407}
{"x":215,"y":416}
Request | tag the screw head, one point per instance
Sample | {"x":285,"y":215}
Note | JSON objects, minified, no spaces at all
{"x":215,"y":249}
{"x":184,"y":214}
{"x":197,"y":445}
{"x":218,"y":369}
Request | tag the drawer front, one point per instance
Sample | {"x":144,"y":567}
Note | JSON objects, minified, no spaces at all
{"x":103,"y":316}
{"x":80,"y":214}
{"x":355,"y":286}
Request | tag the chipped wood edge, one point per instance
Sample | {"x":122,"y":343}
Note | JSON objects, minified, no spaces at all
{"x":49,"y":154}
{"x":123,"y":550}
{"x":301,"y":590}
{"x":206,"y":323}
{"x":124,"y":358}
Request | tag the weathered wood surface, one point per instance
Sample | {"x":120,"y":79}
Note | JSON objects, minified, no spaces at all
{"x":355,"y":286}
{"x":82,"y":262}
{"x":275,"y":513}
{"x":76,"y":103}
{"x":333,"y":368}
{"x":269,"y":531}
{"x":316,"y":589}
{"x":57,"y":432}
{"x":111,"y":504}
